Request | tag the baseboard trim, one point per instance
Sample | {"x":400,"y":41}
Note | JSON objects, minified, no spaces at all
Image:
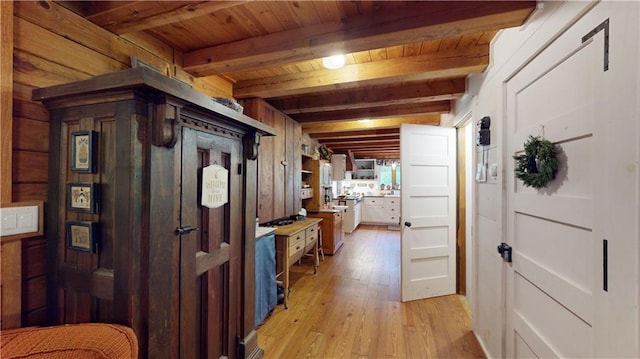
{"x":249,"y":347}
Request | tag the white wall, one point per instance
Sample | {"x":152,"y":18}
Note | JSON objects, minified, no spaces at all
{"x":511,"y":50}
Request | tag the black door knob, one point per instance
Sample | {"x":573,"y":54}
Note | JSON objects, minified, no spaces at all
{"x":407,"y":224}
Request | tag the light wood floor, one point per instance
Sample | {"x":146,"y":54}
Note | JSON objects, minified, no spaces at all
{"x":352,"y":309}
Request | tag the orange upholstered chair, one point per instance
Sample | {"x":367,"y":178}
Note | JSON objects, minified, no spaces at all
{"x":89,"y":340}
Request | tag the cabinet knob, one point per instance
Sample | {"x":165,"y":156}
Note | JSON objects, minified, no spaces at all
{"x":407,"y":224}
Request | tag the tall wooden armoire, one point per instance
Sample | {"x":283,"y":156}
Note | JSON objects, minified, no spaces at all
{"x":129,"y":240}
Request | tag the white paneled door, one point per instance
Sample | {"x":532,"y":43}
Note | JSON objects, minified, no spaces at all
{"x":428,"y":249}
{"x":569,"y":238}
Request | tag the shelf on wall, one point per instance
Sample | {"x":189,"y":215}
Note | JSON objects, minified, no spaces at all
{"x":365,"y":164}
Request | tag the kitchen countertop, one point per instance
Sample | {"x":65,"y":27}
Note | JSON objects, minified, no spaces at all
{"x":333,"y":209}
{"x":348,"y":198}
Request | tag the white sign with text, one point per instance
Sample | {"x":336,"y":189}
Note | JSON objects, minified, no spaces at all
{"x":215,"y":186}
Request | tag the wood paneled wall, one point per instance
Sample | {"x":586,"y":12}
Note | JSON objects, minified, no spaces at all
{"x":6,"y":98}
{"x":51,"y":45}
{"x":279,"y":163}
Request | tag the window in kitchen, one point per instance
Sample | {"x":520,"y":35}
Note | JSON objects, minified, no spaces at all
{"x":389,"y":177}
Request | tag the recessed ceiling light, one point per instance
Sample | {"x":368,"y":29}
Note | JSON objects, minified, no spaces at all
{"x":333,"y":62}
{"x":364,"y":120}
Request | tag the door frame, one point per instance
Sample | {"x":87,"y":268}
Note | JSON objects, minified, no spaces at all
{"x":466,"y":124}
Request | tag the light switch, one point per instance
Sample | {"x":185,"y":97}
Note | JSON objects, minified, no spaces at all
{"x":25,"y":220}
{"x":9,"y":221}
{"x":493,"y":170}
{"x":18,"y":220}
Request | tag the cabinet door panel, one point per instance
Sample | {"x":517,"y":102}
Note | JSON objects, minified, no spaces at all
{"x":266,"y":165}
{"x":279,"y":162}
{"x":279,"y":175}
{"x":373,"y":214}
{"x":209,"y":257}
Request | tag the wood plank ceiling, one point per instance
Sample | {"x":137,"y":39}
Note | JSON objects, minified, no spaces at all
{"x":406,"y":61}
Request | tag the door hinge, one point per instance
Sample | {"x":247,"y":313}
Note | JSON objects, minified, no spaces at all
{"x":505,"y":252}
{"x":605,"y":265}
{"x":603,"y":26}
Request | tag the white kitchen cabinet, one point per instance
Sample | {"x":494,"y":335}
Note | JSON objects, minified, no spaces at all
{"x":392,"y":209}
{"x":381,"y":210}
{"x":353,"y":214}
{"x":373,"y":210}
{"x":365,"y":169}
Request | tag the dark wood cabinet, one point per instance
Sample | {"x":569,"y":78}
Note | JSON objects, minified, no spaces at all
{"x":179,"y":273}
{"x":279,"y":164}
{"x":332,"y":231}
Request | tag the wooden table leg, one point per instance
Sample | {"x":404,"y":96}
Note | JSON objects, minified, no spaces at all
{"x":316,"y":259}
{"x":285,"y":283}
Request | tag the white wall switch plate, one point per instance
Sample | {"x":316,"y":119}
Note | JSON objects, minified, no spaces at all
{"x":493,"y":170}
{"x":18,"y":220}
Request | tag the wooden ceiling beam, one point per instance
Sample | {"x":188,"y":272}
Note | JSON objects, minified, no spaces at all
{"x":359,"y":152}
{"x":390,"y":152}
{"x":96,"y":9}
{"x":376,"y":149}
{"x":356,"y":134}
{"x":381,"y":156}
{"x":439,"y":65}
{"x":423,"y":108}
{"x":330,"y":127}
{"x":363,"y":144}
{"x":438,"y":90}
{"x":182,"y":13}
{"x":357,"y":140}
{"x":417,"y":21}
{"x":381,"y":149}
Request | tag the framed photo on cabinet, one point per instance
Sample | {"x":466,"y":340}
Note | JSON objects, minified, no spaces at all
{"x":82,"y":197}
{"x":82,"y":236}
{"x":84,"y":146}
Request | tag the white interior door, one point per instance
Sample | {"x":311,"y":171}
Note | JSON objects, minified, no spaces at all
{"x":428,"y":250}
{"x":560,"y":301}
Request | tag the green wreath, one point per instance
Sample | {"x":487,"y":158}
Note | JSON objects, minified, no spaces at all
{"x":538,"y":165}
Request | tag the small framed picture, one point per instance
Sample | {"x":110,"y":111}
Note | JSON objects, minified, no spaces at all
{"x":83,"y":236}
{"x":82,"y":197}
{"x":84,"y":145}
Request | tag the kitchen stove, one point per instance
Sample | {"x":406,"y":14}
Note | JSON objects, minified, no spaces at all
{"x":283,"y":221}
{"x":278,"y":222}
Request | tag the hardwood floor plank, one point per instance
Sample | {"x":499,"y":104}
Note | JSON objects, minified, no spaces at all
{"x":351,"y":308}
